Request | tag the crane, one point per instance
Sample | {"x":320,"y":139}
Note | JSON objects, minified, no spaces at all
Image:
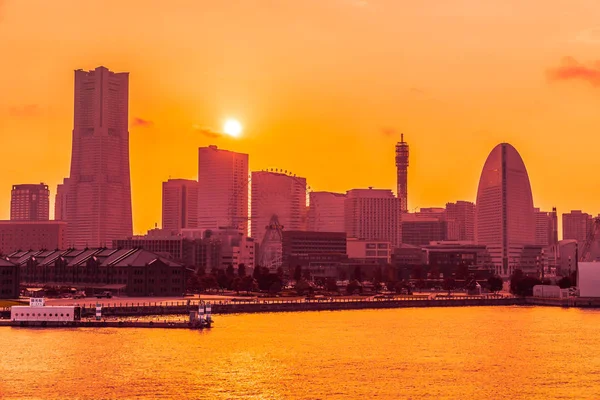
{"x":592,"y":237}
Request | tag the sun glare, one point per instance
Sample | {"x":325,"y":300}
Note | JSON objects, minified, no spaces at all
{"x":232,"y":128}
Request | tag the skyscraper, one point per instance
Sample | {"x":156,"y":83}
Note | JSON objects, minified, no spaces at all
{"x":545,"y":227}
{"x":30,"y":203}
{"x":461,"y":221}
{"x":576,"y":225}
{"x":179,"y":204}
{"x":373,"y":214}
{"x":505,"y":219}
{"x":222,"y":189}
{"x":99,"y":190}
{"x":280,"y":195}
{"x":326,"y":212}
{"x":402,"y":172}
{"x":60,"y":200}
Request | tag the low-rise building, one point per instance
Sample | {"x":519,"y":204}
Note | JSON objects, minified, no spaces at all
{"x":32,"y":235}
{"x":9,"y":279}
{"x":135,"y":272}
{"x":369,"y":251}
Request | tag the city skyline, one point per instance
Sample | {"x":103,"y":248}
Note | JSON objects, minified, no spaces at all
{"x":450,"y":123}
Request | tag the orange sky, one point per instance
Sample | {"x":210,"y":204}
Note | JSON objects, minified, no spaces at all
{"x":317,"y":84}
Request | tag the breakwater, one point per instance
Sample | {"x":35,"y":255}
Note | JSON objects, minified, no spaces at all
{"x":103,"y":324}
{"x":245,"y":307}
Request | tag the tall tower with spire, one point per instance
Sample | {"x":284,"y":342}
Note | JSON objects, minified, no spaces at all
{"x":402,"y":171}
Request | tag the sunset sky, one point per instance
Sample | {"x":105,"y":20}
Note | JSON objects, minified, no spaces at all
{"x":323,"y":88}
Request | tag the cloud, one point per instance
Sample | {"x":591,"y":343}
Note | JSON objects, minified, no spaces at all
{"x":28,"y":110}
{"x":389,"y":132}
{"x":211,"y":133}
{"x":144,"y":123}
{"x":571,"y":69}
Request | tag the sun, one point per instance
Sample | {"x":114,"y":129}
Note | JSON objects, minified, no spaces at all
{"x":232,"y":128}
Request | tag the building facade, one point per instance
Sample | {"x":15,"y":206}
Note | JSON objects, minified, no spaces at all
{"x":311,"y":248}
{"x":222,"y":189}
{"x":505,"y":218}
{"x":32,"y":235}
{"x":98,"y":204}
{"x":326,"y":212}
{"x":419,"y":229}
{"x":60,"y":200}
{"x":135,"y":272}
{"x":373,"y":214}
{"x":277,"y":195}
{"x":576,"y":225}
{"x":9,"y":279}
{"x":179,"y":204}
{"x":546,"y":229}
{"x":30,"y":203}
{"x":460,"y":218}
{"x":369,"y":251}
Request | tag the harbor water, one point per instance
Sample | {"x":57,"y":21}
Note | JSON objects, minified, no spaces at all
{"x":421,"y":353}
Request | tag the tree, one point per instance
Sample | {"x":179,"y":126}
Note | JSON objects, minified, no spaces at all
{"x":377,"y":286}
{"x":378,"y":274}
{"x":208,"y":282}
{"x":193,"y":283}
{"x":229,"y":271}
{"x":236,"y":284}
{"x":496,"y":283}
{"x":256,"y":272}
{"x":306,"y":274}
{"x":565,"y":282}
{"x":248,"y":284}
{"x":242,"y":270}
{"x":298,"y":273}
{"x":302,"y":287}
{"x":222,"y":280}
{"x":353,"y":287}
{"x":462,"y":272}
{"x":331,"y":285}
{"x":449,"y":284}
{"x":521,"y":285}
{"x":275,"y":287}
{"x":358,"y":273}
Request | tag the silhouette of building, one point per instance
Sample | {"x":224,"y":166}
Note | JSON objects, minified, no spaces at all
{"x":60,"y":200}
{"x":402,"y":153}
{"x":326,"y":212}
{"x":373,"y":214}
{"x":576,"y":225}
{"x":134,"y":272}
{"x":546,"y":233}
{"x":32,"y":235}
{"x":419,"y":229}
{"x":98,"y":201}
{"x":460,"y":218}
{"x":30,"y":203}
{"x":505,"y":219}
{"x":281,"y":195}
{"x":9,"y":279}
{"x":222,"y":189}
{"x":307,"y":248}
{"x":179,"y":204}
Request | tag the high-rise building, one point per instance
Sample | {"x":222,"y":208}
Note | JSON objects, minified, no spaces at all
{"x":99,"y":190}
{"x":545,"y":227}
{"x":277,"y":195}
{"x":60,"y":200}
{"x":505,"y":219}
{"x":576,"y":225}
{"x":30,"y":203}
{"x":179,"y":204}
{"x":420,"y":229}
{"x":222,"y":189}
{"x":373,"y":214}
{"x":326,"y":212}
{"x":402,"y":172}
{"x":460,"y":217}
